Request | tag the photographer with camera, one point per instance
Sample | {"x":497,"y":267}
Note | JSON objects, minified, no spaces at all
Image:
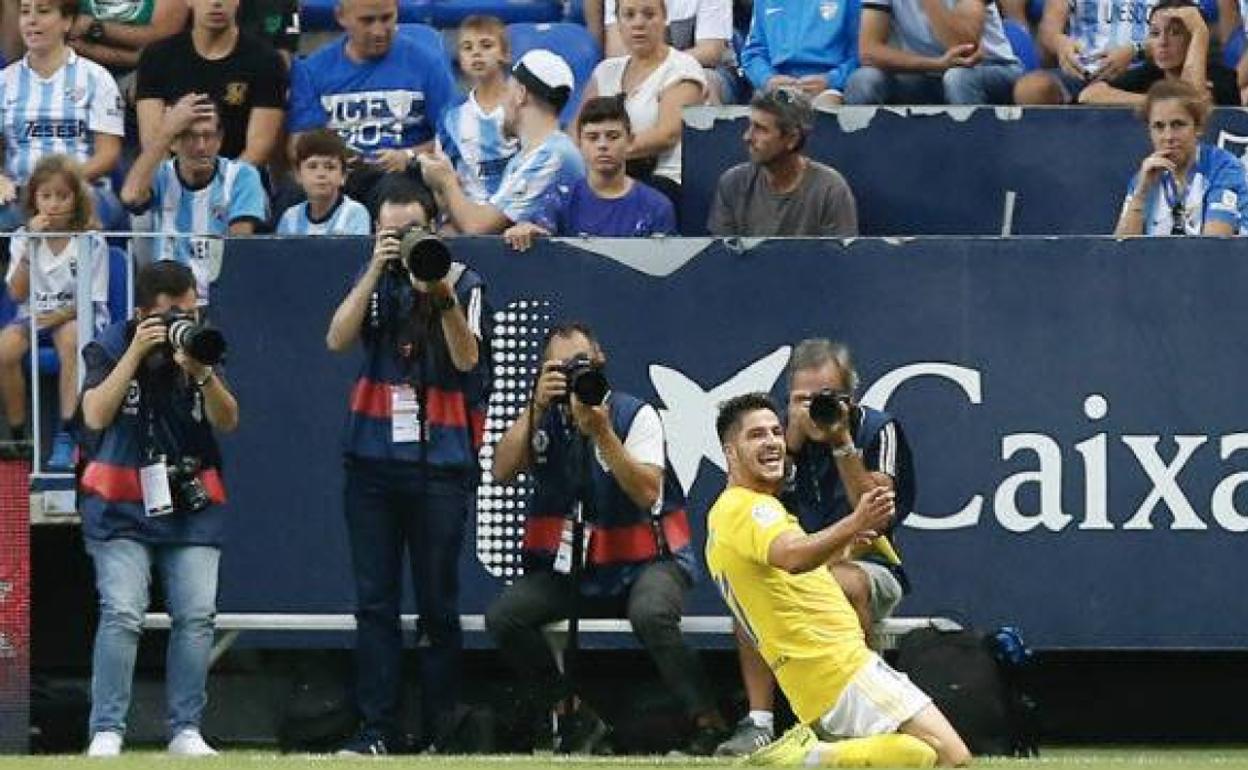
{"x":152,"y":494}
{"x":838,"y":451}
{"x":413,"y":432}
{"x":600,"y":451}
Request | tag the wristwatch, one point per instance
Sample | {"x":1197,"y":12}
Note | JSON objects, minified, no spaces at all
{"x":846,"y":450}
{"x":201,"y":383}
{"x":442,"y":303}
{"x":95,"y":32}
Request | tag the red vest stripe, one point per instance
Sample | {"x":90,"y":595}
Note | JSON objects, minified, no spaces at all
{"x":445,"y":407}
{"x":119,"y":484}
{"x":616,"y":545}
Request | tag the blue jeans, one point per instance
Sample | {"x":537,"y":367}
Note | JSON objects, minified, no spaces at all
{"x":123,"y":570}
{"x":391,"y":508}
{"x":983,"y":84}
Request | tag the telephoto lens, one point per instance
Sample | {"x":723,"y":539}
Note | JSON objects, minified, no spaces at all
{"x":202,"y":343}
{"x":825,"y":406}
{"x":424,"y":254}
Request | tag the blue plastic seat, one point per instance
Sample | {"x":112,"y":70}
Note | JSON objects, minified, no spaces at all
{"x":423,"y":35}
{"x":318,"y":15}
{"x":1209,"y":9}
{"x":1022,"y":44}
{"x":1233,"y":51}
{"x":571,"y":41}
{"x":575,"y":12}
{"x":449,"y":13}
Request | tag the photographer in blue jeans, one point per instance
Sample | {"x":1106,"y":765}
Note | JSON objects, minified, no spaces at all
{"x":152,"y":495}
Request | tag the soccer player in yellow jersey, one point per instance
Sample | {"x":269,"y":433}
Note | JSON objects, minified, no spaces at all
{"x":853,"y":709}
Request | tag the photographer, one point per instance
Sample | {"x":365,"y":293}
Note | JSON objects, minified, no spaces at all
{"x":838,"y":450}
{"x":151,"y":496}
{"x":604,"y":449}
{"x":412,"y":436}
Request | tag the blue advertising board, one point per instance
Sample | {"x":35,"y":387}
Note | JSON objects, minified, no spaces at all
{"x":1074,"y":406}
{"x":957,"y":170}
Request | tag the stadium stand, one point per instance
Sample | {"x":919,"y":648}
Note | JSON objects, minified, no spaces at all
{"x":449,"y":13}
{"x":318,"y":15}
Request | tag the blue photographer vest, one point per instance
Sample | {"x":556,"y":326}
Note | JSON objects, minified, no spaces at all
{"x":815,"y":492}
{"x":112,"y":504}
{"x":454,"y":402}
{"x":623,"y":537}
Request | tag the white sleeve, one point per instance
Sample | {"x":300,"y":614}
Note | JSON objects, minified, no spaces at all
{"x":644,"y":442}
{"x":17,"y":250}
{"x":714,"y":20}
{"x":107,"y":112}
{"x":608,"y":13}
{"x":683,"y":67}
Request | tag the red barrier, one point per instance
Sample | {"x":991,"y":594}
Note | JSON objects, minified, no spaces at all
{"x":14,"y":608}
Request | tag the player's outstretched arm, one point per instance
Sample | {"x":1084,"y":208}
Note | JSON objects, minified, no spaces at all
{"x":796,"y":553}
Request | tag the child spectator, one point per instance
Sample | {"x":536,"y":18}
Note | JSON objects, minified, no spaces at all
{"x":321,"y":166}
{"x":42,"y":278}
{"x":471,"y":132}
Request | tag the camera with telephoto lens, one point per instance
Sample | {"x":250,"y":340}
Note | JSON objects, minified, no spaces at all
{"x":586,"y":379}
{"x":202,"y":343}
{"x":424,"y":254}
{"x":188,"y":490}
{"x":825,"y":406}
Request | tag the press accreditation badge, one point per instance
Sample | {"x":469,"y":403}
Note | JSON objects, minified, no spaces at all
{"x":157,"y":499}
{"x":563,"y":556}
{"x":404,"y":415}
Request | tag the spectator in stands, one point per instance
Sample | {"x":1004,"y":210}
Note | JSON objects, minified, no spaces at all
{"x":115,"y":32}
{"x":241,"y":73}
{"x":852,"y":708}
{"x":607,"y":202}
{"x":700,"y":28}
{"x":780,"y":191}
{"x":835,"y":463}
{"x":932,"y":52}
{"x":276,"y":21}
{"x":379,"y":90}
{"x":196,"y":196}
{"x":641,"y":561}
{"x":42,"y":279}
{"x":659,"y":82}
{"x":812,"y":46}
{"x":471,"y":133}
{"x":410,"y":480}
{"x":321,"y":163}
{"x":1178,"y":49}
{"x":540,"y":86}
{"x":1092,"y":40}
{"x":135,"y":517}
{"x":1186,"y":186}
{"x":85,"y":122}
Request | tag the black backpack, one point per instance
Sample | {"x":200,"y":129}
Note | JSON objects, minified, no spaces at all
{"x":978,"y":681}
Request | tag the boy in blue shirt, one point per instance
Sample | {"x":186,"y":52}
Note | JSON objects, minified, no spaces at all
{"x":471,"y":133}
{"x":320,"y":165}
{"x":607,"y":202}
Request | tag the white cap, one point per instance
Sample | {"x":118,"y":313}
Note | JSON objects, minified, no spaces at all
{"x":546,"y":73}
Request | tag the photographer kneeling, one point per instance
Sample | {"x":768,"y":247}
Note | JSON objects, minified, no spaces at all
{"x":639,"y":563}
{"x":151,"y":496}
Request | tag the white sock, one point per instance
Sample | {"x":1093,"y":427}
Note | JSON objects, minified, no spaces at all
{"x":764,"y":719}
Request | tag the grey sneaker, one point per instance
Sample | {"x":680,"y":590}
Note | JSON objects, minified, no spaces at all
{"x":745,"y":740}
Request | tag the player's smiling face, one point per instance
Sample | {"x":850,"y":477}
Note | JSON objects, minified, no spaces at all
{"x":756,"y":454}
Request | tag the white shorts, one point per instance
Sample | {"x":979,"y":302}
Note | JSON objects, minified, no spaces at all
{"x":877,"y":701}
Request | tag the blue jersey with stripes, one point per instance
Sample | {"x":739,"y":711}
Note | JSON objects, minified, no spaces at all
{"x":532,"y":175}
{"x":193,"y":220}
{"x":388,"y":103}
{"x":477,"y":147}
{"x":1216,"y":191}
{"x":347,"y":217}
{"x":1101,"y":25}
{"x":59,"y":114}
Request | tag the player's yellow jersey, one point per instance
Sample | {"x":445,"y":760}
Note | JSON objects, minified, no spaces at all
{"x":802,"y":624}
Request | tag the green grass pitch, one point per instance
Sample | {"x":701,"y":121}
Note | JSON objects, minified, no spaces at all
{"x":1051,"y":759}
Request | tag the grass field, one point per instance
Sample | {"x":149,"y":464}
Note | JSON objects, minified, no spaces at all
{"x":1052,"y":759}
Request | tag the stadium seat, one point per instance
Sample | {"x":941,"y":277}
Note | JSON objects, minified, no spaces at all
{"x":1233,"y":51}
{"x":575,"y":12}
{"x":1022,"y":44}
{"x":571,"y":41}
{"x":1209,"y":9}
{"x":449,"y":13}
{"x":318,"y":15}
{"x":423,"y":35}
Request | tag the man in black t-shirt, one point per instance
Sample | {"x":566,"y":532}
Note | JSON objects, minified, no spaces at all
{"x":240,"y":72}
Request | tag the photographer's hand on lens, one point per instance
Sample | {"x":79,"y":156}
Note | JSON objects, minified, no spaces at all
{"x":194,"y":369}
{"x":148,"y":335}
{"x":552,"y":385}
{"x":385,"y":250}
{"x":592,"y":421}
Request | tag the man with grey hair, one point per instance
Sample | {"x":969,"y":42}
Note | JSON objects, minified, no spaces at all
{"x":838,"y":449}
{"x":780,"y":191}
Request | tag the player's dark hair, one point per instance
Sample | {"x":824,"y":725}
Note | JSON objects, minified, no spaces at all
{"x":734,"y":409}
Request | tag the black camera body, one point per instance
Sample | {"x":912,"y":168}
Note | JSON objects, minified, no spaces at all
{"x":188,"y":490}
{"x":423,"y":254}
{"x":586,"y":379}
{"x":825,"y":406}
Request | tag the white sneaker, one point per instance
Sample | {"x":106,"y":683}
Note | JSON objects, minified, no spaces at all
{"x":189,"y":743}
{"x":105,"y":743}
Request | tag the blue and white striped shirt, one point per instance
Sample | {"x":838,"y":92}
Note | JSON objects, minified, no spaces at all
{"x":531,"y":176}
{"x":59,"y":114}
{"x":476,"y":145}
{"x":193,"y":221}
{"x":1101,"y":25}
{"x":347,"y":217}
